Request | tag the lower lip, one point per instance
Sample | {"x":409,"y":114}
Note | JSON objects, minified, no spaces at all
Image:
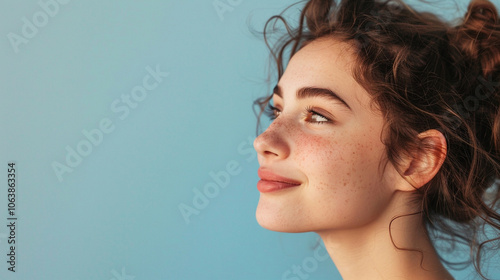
{"x":265,"y":186}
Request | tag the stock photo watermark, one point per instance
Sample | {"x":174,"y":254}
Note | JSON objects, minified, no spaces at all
{"x":32,"y":25}
{"x":471,"y":103}
{"x":12,"y":222}
{"x":121,"y":276}
{"x":218,"y":180}
{"x":308,"y":265}
{"x":122,"y":108}
{"x":223,"y":6}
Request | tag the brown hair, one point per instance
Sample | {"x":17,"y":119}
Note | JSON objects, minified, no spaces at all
{"x":424,"y":73}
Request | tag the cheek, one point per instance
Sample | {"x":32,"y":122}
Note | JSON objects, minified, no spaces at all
{"x":321,"y":157}
{"x":328,"y":163}
{"x":343,"y":174}
{"x":312,"y":150}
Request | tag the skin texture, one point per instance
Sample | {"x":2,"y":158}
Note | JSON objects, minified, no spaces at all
{"x":348,"y":191}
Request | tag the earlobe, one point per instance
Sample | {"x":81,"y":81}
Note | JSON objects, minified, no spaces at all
{"x":424,"y":163}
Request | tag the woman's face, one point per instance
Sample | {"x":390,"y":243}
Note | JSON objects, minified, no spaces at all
{"x":322,"y":160}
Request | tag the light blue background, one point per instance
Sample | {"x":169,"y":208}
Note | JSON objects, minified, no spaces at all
{"x":117,"y":213}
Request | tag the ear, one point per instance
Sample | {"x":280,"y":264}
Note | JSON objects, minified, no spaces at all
{"x":423,"y":164}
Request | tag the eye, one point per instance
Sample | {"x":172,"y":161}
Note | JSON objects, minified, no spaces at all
{"x":314,"y":117}
{"x":272,"y":112}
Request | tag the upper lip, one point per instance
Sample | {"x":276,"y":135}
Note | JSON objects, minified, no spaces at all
{"x":268,"y":175}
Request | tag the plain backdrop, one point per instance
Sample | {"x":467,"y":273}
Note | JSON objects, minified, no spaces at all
{"x":131,"y":126}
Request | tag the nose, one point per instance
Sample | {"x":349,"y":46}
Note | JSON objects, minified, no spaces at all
{"x":273,"y":143}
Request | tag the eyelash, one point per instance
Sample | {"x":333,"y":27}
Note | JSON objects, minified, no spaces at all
{"x":310,"y":111}
{"x":273,"y":112}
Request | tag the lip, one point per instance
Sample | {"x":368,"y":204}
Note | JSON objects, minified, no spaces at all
{"x":271,"y":182}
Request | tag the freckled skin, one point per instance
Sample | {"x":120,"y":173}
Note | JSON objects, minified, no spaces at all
{"x":348,"y":191}
{"x":337,"y":163}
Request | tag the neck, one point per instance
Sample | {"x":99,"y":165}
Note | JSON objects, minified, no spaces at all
{"x":371,"y":251}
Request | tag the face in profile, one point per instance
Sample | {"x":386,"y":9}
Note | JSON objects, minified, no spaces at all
{"x":322,"y":162}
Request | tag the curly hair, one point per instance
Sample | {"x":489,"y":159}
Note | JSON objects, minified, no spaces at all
{"x":423,"y":73}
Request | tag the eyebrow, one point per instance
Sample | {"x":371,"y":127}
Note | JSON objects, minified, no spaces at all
{"x":308,"y":92}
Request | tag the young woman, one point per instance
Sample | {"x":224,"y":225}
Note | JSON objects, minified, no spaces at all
{"x":386,"y":135}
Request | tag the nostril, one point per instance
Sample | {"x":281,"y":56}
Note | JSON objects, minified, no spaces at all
{"x":270,"y":153}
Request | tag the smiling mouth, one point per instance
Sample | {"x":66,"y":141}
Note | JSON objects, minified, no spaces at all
{"x":265,"y":186}
{"x":271,"y":182}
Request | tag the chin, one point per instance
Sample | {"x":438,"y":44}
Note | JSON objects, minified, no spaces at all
{"x":274,"y":220}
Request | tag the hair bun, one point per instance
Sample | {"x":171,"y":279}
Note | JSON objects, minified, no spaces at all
{"x":481,"y":10}
{"x":479,"y":35}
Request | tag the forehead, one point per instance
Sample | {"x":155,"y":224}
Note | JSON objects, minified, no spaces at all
{"x":326,"y":63}
{"x":327,"y":56}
